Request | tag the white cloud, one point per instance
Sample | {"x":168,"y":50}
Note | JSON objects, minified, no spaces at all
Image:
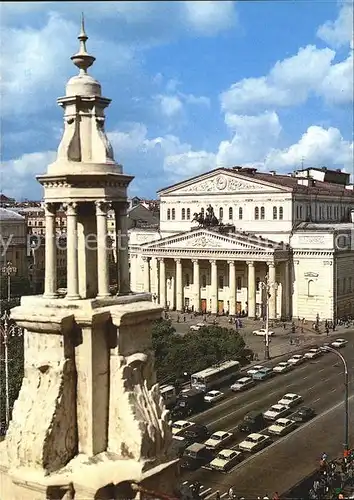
{"x":189,"y":164}
{"x":338,"y":86}
{"x":339,"y":32}
{"x":209,"y":18}
{"x":288,"y":83}
{"x":170,"y":105}
{"x":318,"y":146}
{"x":198,"y":100}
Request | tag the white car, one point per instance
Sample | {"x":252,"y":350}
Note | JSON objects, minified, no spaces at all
{"x":243,"y":384}
{"x":313,"y":353}
{"x":195,"y":328}
{"x":297,"y":359}
{"x":254,"y":442}
{"x":254,"y":370}
{"x":276,"y":411}
{"x":339,"y":343}
{"x":201,"y":325}
{"x":262,"y":332}
{"x":213,"y":396}
{"x":282,"y":367}
{"x":290,"y":399}
{"x":226,"y":459}
{"x":218,"y":440}
{"x":282,"y":426}
{"x":180,"y":425}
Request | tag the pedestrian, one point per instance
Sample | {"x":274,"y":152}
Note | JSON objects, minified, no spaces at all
{"x":276,"y":496}
{"x":217,"y":496}
{"x":231,"y":493}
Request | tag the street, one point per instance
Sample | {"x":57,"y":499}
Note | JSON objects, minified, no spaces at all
{"x":290,"y":458}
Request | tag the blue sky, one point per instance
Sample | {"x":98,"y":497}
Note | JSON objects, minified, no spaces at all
{"x":194,"y":86}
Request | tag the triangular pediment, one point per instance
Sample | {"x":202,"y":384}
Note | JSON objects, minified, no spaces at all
{"x":222,"y":181}
{"x":210,"y":240}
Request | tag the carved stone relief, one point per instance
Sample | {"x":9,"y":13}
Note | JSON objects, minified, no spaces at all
{"x":318,"y":240}
{"x":222,"y":183}
{"x":203,"y":241}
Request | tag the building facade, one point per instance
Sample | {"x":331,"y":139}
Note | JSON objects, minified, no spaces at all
{"x":222,"y":232}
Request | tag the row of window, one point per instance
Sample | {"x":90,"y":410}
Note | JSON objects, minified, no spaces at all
{"x":278,"y":213}
{"x":259,"y":213}
{"x":327,"y":212}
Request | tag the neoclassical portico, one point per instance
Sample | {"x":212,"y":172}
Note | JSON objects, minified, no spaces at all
{"x":215,"y":279}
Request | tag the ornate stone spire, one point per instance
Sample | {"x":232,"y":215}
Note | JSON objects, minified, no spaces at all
{"x":82,"y":59}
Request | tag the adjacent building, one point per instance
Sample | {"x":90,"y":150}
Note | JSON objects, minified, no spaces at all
{"x":222,"y":232}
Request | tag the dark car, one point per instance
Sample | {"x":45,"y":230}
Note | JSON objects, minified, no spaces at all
{"x":195,"y":456}
{"x":303,"y":414}
{"x":252,"y":422}
{"x":196,"y":434}
{"x":178,"y":446}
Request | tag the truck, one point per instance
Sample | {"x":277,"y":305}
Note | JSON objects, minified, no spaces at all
{"x":189,"y":402}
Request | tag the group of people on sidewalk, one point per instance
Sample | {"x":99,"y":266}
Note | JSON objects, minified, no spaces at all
{"x":333,"y":477}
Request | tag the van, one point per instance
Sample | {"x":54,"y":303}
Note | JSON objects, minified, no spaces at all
{"x":195,"y":456}
{"x":243,"y":384}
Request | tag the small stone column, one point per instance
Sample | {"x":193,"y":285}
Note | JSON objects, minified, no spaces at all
{"x":102,"y":254}
{"x":214,"y":287}
{"x":122,"y":243}
{"x":72,"y":285}
{"x":179,"y":290}
{"x":251,"y":290}
{"x":146,"y":274}
{"x":287,"y":290}
{"x":196,"y":284}
{"x":272,"y":291}
{"x":162,"y":282}
{"x":232,"y":287}
{"x":50,"y":283}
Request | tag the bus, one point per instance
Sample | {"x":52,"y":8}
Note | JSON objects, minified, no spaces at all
{"x":169,"y":395}
{"x":215,"y":376}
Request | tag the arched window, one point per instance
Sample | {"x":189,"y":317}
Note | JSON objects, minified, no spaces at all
{"x":221,"y":282}
{"x":183,"y":214}
{"x":311,"y":288}
{"x":256,"y":213}
{"x":187,"y":280}
{"x":230,"y":213}
{"x":202,"y":211}
{"x":173,"y":213}
{"x":221,"y":213}
{"x":275,"y":213}
{"x":203,"y":281}
{"x":257,"y":284}
{"x":262,"y":213}
{"x":168,"y":214}
{"x":240,"y":213}
{"x":281,"y":213}
{"x":239,"y":283}
{"x":188,"y":213}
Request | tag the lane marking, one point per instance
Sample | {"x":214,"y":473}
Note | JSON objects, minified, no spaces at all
{"x":333,"y":390}
{"x":317,"y":400}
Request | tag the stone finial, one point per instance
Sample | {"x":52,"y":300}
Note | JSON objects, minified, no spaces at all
{"x":82,"y":59}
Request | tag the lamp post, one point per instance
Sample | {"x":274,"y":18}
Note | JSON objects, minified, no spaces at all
{"x":346,"y":396}
{"x":268,"y":287}
{"x":7,"y":329}
{"x":9,"y":270}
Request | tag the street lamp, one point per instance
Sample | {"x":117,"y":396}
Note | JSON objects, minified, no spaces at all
{"x":7,"y":329}
{"x":9,"y":270}
{"x":346,"y":396}
{"x":268,"y":287}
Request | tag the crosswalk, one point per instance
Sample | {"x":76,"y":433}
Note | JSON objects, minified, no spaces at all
{"x":206,"y":493}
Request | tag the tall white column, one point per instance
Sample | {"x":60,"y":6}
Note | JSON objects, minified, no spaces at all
{"x":72,"y":286}
{"x":251,"y":290}
{"x":122,"y":243}
{"x":179,"y":290}
{"x":102,"y":254}
{"x":214,"y":287}
{"x":196,"y":284}
{"x":50,"y":282}
{"x":162,"y":282}
{"x":232,"y":288}
{"x":287,"y":289}
{"x":272,"y":291}
{"x":146,"y":274}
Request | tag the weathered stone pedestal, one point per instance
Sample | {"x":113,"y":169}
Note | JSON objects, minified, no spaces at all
{"x":89,"y":419}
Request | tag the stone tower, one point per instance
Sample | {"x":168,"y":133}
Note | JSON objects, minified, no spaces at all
{"x":89,"y":420}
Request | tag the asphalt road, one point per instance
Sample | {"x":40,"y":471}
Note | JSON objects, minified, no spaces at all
{"x":289,"y":459}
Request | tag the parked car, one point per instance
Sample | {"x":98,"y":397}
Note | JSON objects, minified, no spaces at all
{"x":213,"y":396}
{"x":254,"y":442}
{"x":262,"y":332}
{"x":243,"y":384}
{"x":178,"y":445}
{"x":180,"y":425}
{"x":263,"y":374}
{"x":276,"y":411}
{"x":313,"y":353}
{"x":218,"y":440}
{"x":303,"y":414}
{"x":226,"y":459}
{"x":196,"y":434}
{"x":282,"y":367}
{"x":290,"y":399}
{"x":195,"y":456}
{"x":252,"y":422}
{"x":195,"y":328}
{"x":282,"y":426}
{"x":254,"y":370}
{"x":338,"y":343}
{"x":297,"y":359}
